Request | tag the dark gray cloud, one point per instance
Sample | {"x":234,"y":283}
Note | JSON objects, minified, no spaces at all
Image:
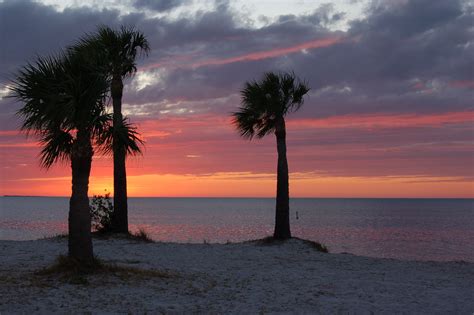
{"x":407,"y":19}
{"x":28,"y":29}
{"x":158,"y":5}
{"x":405,"y":56}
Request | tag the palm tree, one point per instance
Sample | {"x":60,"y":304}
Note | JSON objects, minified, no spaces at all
{"x":264,"y":107}
{"x":119,"y":50}
{"x":64,"y":105}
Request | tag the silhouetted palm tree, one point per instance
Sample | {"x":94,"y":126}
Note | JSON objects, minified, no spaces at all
{"x":119,"y":49}
{"x":264,"y":107}
{"x":64,"y":104}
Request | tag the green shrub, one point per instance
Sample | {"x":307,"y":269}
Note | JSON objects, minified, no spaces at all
{"x":101,"y":208}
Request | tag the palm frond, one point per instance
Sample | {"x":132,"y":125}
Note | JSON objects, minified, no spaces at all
{"x":57,"y":146}
{"x":296,"y":95}
{"x":266,"y":101}
{"x":101,"y":124}
{"x":244,"y":120}
{"x":126,"y":134}
{"x":36,"y":85}
{"x":118,"y":49}
{"x":132,"y":42}
{"x":87,"y":90}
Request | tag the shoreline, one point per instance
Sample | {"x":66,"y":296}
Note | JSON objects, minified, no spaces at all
{"x":232,"y":278}
{"x":100,"y":237}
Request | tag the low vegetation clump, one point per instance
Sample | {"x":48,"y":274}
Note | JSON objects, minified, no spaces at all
{"x":316,"y":245}
{"x":141,"y":235}
{"x":69,"y":265}
{"x":57,"y":237}
{"x":270,"y":240}
{"x":70,"y":270}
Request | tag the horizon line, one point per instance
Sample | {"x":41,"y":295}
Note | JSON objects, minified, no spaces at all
{"x":239,"y":197}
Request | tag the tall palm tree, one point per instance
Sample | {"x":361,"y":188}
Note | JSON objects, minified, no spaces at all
{"x":264,"y":107}
{"x":64,"y":105}
{"x":119,"y":49}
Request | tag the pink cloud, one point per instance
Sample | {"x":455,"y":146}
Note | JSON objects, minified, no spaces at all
{"x":202,"y":144}
{"x":318,"y":43}
{"x":466,"y":84}
{"x":19,"y":145}
{"x":8,"y":133}
{"x":380,"y":121}
{"x":271,"y":53}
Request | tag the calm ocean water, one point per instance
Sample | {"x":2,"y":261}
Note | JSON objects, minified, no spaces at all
{"x":420,"y":229}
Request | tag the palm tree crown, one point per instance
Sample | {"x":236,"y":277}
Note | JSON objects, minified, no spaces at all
{"x":120,"y":49}
{"x":61,"y":94}
{"x":267,"y":102}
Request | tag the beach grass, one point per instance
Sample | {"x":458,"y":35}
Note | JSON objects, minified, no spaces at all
{"x":141,"y":235}
{"x":58,"y":236}
{"x":72,"y":271}
{"x":270,"y":240}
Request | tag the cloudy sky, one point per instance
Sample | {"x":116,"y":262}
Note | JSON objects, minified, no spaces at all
{"x":390,"y":112}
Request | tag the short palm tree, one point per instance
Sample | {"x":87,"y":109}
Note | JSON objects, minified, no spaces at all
{"x":264,"y":107}
{"x":64,"y":105}
{"x":119,"y":50}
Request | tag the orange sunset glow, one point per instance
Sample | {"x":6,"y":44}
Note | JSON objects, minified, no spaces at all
{"x":184,"y":157}
{"x":256,"y":185}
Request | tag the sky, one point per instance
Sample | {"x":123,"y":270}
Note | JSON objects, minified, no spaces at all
{"x":389,"y":114}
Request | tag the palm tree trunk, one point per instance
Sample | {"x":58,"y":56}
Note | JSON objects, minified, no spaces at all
{"x":80,"y":241}
{"x":282,"y":213}
{"x":119,"y":222}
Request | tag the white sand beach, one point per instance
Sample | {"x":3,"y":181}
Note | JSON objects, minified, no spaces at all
{"x":232,"y":278}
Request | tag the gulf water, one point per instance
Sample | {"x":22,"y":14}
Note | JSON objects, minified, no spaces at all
{"x":411,"y":229}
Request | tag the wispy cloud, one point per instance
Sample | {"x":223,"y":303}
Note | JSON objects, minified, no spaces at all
{"x":254,"y":56}
{"x":384,"y":120}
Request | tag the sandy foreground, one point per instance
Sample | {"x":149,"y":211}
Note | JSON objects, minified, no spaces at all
{"x":231,"y":278}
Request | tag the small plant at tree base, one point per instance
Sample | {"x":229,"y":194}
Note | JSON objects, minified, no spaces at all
{"x":101,"y":212}
{"x":141,"y":236}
